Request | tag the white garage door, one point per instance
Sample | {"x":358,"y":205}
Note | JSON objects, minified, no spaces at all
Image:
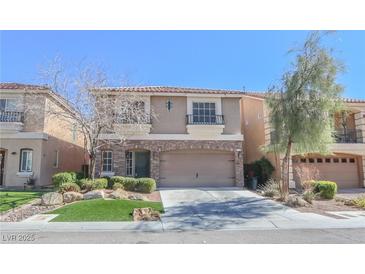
{"x":198,"y":168}
{"x":342,"y":170}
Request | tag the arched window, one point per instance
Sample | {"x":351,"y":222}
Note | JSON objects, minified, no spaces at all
{"x":26,"y":160}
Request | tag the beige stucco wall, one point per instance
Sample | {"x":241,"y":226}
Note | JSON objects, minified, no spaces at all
{"x":34,"y":115}
{"x":11,"y":167}
{"x":171,"y":122}
{"x":231,"y":112}
{"x":253,"y":128}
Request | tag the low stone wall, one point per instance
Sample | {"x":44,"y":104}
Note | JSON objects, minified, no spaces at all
{"x":157,"y":146}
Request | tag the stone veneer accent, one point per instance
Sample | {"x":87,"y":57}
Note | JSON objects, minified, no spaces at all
{"x":157,"y":146}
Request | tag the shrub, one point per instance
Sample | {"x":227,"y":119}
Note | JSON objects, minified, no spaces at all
{"x":115,"y":180}
{"x":118,"y":186}
{"x":145,"y":185}
{"x":360,"y":202}
{"x":66,"y":187}
{"x":129,"y":183}
{"x":307,"y":176}
{"x":326,"y":189}
{"x":270,"y":189}
{"x":89,"y":184}
{"x":309,"y":196}
{"x":262,"y":169}
{"x":61,"y":178}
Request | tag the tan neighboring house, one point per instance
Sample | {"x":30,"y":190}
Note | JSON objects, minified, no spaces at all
{"x":346,"y":163}
{"x":193,"y":139}
{"x":33,"y":144}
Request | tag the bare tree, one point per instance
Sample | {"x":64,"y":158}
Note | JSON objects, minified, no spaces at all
{"x":95,"y":108}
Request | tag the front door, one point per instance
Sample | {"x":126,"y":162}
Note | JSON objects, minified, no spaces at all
{"x":142,"y":164}
{"x":2,"y":164}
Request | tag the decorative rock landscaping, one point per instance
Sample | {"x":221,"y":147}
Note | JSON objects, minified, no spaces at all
{"x":145,"y":214}
{"x":52,"y":198}
{"x":69,"y":197}
{"x":94,"y":194}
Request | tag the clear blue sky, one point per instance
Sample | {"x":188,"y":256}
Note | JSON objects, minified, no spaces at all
{"x":211,"y":59}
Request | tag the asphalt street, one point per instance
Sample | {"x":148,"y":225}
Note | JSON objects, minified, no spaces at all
{"x":292,"y":236}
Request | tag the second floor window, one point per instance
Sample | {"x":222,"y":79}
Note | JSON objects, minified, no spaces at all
{"x":107,"y":160}
{"x":204,"y":113}
{"x":8,"y":104}
{"x":26,"y":160}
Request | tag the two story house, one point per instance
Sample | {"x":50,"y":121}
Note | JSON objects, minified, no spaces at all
{"x":345,"y":165}
{"x":193,"y":139}
{"x":33,"y":143}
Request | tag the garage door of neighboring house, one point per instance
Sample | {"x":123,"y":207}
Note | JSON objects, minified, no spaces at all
{"x":342,"y":170}
{"x":196,"y":169}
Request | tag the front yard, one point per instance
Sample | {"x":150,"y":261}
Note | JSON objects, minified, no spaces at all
{"x":102,"y":210}
{"x":13,"y":199}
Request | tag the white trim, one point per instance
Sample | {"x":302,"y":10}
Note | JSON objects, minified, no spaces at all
{"x":221,"y":137}
{"x":203,"y":99}
{"x":106,"y":174}
{"x":24,"y":174}
{"x":25,"y":135}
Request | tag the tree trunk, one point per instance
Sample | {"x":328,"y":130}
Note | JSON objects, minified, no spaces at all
{"x":284,"y":186}
{"x":92,"y":165}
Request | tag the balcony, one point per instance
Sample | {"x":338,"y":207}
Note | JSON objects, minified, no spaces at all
{"x":11,"y":121}
{"x":133,"y":125}
{"x":11,"y":116}
{"x":204,"y":120}
{"x":203,"y":127}
{"x":348,"y":136}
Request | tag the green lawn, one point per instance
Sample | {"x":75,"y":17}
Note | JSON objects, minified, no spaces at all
{"x":101,"y":210}
{"x":12,"y":199}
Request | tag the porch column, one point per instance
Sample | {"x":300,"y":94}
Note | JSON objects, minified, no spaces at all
{"x":363,"y":170}
{"x":155,"y":165}
{"x":360,"y":125}
{"x":238,"y":160}
{"x":119,"y":161}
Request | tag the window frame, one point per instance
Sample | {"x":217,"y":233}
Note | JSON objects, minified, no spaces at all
{"x":204,"y":112}
{"x":6,"y":106}
{"x":108,"y":164}
{"x":56,"y":159}
{"x":129,"y":163}
{"x":29,"y":151}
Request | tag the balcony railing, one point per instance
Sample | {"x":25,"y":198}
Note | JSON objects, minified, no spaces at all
{"x":11,"y":116}
{"x":204,"y":120}
{"x":348,"y":136}
{"x":145,"y":119}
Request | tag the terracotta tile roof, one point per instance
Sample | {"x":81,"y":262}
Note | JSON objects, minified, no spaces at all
{"x":165,"y":89}
{"x":21,"y":86}
{"x":262,"y":95}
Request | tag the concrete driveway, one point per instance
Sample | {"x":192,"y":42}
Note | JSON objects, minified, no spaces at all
{"x":226,"y":208}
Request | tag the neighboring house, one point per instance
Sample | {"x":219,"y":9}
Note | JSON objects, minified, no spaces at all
{"x":346,"y":163}
{"x":33,"y":143}
{"x":193,"y":139}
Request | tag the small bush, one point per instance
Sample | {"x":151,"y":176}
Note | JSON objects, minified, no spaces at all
{"x":89,"y":184}
{"x":129,"y":183}
{"x":115,"y":180}
{"x":360,"y":202}
{"x":145,"y":185}
{"x":326,"y":189}
{"x":118,"y":186}
{"x":309,"y":196}
{"x":61,"y":178}
{"x":66,"y":187}
{"x":270,"y":189}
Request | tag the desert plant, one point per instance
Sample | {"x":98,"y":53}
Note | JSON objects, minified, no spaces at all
{"x":360,"y":202}
{"x":326,"y":189}
{"x":309,"y":196}
{"x":145,"y":185}
{"x":270,"y":189}
{"x":307,"y":176}
{"x":61,"y":178}
{"x":66,"y":187}
{"x":118,"y":186}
